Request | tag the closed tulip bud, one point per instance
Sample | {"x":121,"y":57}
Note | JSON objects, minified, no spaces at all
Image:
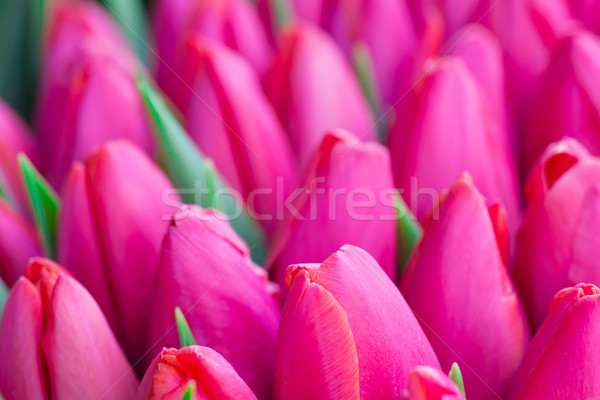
{"x":205,"y":269}
{"x":88,"y":91}
{"x":563,"y":214}
{"x":561,"y":361}
{"x":209,"y":374}
{"x":458,"y":285}
{"x":233,"y":123}
{"x":19,"y":243}
{"x":447,"y":128}
{"x":569,"y":100}
{"x":427,"y":383}
{"x":339,"y":315}
{"x":313,"y":90}
{"x":346,"y":198}
{"x":233,"y":23}
{"x":114,"y":215}
{"x":56,"y":344}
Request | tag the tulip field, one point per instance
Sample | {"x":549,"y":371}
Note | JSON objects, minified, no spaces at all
{"x":299,"y":199}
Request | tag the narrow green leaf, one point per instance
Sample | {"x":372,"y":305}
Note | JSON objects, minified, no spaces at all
{"x":131,"y":16}
{"x":364,"y":70}
{"x":3,"y":295}
{"x":44,"y":203}
{"x":193,"y":172}
{"x":190,"y":391}
{"x":282,"y":13}
{"x":408,"y":233}
{"x":456,"y":377}
{"x":186,"y":337}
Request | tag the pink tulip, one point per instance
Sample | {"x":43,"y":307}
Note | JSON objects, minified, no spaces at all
{"x":172,"y":371}
{"x":588,"y":12}
{"x":234,"y":23}
{"x":561,"y":362}
{"x":339,"y":315}
{"x":56,"y":344}
{"x":459,"y":13}
{"x":15,"y":138}
{"x":19,"y":243}
{"x":426,"y":383}
{"x":458,"y":285}
{"x":88,"y":90}
{"x":345,"y":199}
{"x":558,"y":242}
{"x":233,"y":123}
{"x":313,"y":90}
{"x":447,"y":127}
{"x":569,"y":101}
{"x":205,"y":269}
{"x":114,"y":215}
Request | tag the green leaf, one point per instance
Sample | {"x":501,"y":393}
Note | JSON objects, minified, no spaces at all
{"x":456,"y":377}
{"x":131,"y":16}
{"x":44,"y":204}
{"x":364,"y":70}
{"x":3,"y":295}
{"x":408,"y":233}
{"x":186,"y":337}
{"x":190,"y":391}
{"x":282,"y":13}
{"x":193,"y":172}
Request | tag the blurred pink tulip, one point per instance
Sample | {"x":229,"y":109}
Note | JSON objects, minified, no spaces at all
{"x":211,"y":375}
{"x":588,"y":12}
{"x":88,"y":92}
{"x":558,"y":244}
{"x":114,"y":215}
{"x":339,"y":315}
{"x":346,"y":198}
{"x":569,"y":100}
{"x":56,"y":344}
{"x":233,"y":123}
{"x":313,"y":89}
{"x":458,"y":285}
{"x":427,"y":383}
{"x":206,"y":270}
{"x":448,"y":127}
{"x":561,"y":361}
{"x":19,"y":243}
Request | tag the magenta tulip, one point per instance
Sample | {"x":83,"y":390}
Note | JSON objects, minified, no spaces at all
{"x":173,"y":371}
{"x":561,"y":362}
{"x":588,"y":12}
{"x":458,"y":285}
{"x":205,"y":269}
{"x":346,"y":199}
{"x":569,"y":101}
{"x":446,"y":128}
{"x":114,"y":215}
{"x":233,"y":123}
{"x":19,"y":243}
{"x":558,"y":242}
{"x":88,"y":90}
{"x":56,"y":344}
{"x":314,"y":89}
{"x":427,"y":383}
{"x":339,"y":315}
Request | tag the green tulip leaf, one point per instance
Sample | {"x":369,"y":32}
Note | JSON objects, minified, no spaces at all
{"x":186,"y":337}
{"x":282,"y":13}
{"x":364,"y":70}
{"x":131,"y":16}
{"x":456,"y":377}
{"x":190,"y":391}
{"x":195,"y":174}
{"x":3,"y":295}
{"x":408,"y":233}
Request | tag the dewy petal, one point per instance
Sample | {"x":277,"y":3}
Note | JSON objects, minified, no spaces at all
{"x":316,"y":352}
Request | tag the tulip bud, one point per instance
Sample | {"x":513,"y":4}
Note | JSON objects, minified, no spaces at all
{"x":88,"y":91}
{"x":233,"y":123}
{"x":115,"y":212}
{"x":346,"y":198}
{"x":210,"y":374}
{"x":457,"y":283}
{"x":56,"y":344}
{"x":426,"y":383}
{"x":313,"y":90}
{"x":558,"y":241}
{"x":561,"y":360}
{"x":341,"y":314}
{"x":448,"y":128}
{"x":205,"y":269}
{"x":569,"y":100}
